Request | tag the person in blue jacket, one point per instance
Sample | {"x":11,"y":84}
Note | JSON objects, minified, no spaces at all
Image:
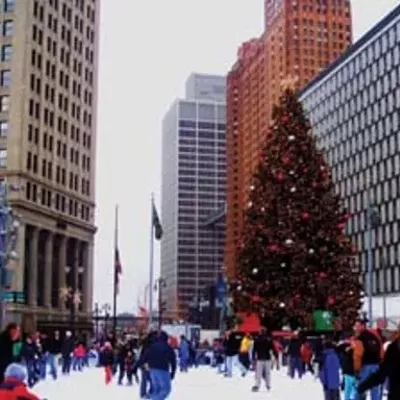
{"x":330,"y":372}
{"x":161,"y":362}
{"x":184,"y":354}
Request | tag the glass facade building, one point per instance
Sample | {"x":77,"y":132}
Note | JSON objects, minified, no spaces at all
{"x":354,"y":108}
{"x":193,"y":188}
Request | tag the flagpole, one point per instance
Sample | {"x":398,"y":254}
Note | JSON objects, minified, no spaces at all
{"x":115,"y":288}
{"x":151,"y":269}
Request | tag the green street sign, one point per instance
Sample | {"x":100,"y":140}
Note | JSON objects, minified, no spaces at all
{"x":13,"y":296}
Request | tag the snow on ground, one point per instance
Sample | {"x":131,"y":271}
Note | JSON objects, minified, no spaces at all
{"x":198,"y":384}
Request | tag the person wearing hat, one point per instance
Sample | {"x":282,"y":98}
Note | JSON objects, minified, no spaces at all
{"x":13,"y":386}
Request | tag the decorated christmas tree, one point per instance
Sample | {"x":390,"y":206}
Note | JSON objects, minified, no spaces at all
{"x":295,"y":258}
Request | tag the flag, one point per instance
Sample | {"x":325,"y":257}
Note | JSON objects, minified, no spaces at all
{"x":117,"y":258}
{"x":158,"y":230}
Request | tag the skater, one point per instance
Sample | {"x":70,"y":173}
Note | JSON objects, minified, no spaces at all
{"x":13,"y":385}
{"x":161,"y":360}
{"x":108,"y":362}
{"x":345,"y":351}
{"x":330,"y":372}
{"x":263,"y":349}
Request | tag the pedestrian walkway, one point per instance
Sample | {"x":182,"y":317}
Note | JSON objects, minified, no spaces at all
{"x":197,"y":384}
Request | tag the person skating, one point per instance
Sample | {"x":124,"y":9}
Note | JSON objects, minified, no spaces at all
{"x":294,"y":353}
{"x":67,"y":350}
{"x":389,"y":369}
{"x":13,"y":385}
{"x":232,"y":346}
{"x":263,"y":349}
{"x":129,"y":368}
{"x":367,"y":354}
{"x":107,"y":360}
{"x":7,"y":339}
{"x":345,"y":351}
{"x":330,"y":372}
{"x":244,"y":353}
{"x":52,"y":347}
{"x":161,"y":361}
{"x":184,"y":354}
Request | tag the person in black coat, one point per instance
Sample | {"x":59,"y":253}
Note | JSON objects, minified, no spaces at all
{"x":7,"y":339}
{"x":388,"y":369}
{"x":67,"y":349}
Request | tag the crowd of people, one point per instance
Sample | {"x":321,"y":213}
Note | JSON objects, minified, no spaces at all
{"x":348,"y":364}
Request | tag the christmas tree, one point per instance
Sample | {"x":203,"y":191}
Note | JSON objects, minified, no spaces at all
{"x":295,"y":257}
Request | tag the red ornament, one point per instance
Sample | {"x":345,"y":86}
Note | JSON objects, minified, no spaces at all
{"x":273,"y":248}
{"x":331,"y":300}
{"x":322,"y":275}
{"x":286,"y":160}
{"x":284,"y":118}
{"x":314,"y":185}
{"x":255,"y":299}
{"x":304,"y":215}
{"x":280,"y":176}
{"x":341,"y":226}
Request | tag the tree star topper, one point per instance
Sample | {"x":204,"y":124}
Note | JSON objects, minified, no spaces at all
{"x":290,"y":82}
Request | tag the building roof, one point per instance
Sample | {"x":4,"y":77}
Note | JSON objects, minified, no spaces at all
{"x":384,"y":22}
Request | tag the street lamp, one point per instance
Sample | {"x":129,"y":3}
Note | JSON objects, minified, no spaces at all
{"x":373,"y":221}
{"x":106,"y":308}
{"x":96,"y":313}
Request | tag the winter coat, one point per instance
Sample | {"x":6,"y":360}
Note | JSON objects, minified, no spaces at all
{"x":345,"y":351}
{"x":232,"y":344}
{"x":388,"y":369}
{"x":184,"y":350}
{"x":368,"y":349}
{"x":52,"y":345}
{"x":79,"y":351}
{"x":67,"y":347}
{"x":294,"y":348}
{"x":6,"y":352}
{"x":263,"y":348}
{"x":28,"y":351}
{"x":107,"y":357}
{"x":159,"y":355}
{"x":13,"y":389}
{"x":306,"y":353}
{"x":330,"y":370}
{"x":246,"y":344}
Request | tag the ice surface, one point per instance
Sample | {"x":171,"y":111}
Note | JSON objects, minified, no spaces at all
{"x":198,"y":384}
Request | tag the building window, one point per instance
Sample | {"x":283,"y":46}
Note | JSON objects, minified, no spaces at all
{"x":5,"y":78}
{"x":9,"y":5}
{"x":3,"y":158}
{"x":6,"y":52}
{"x":3,"y":129}
{"x":8,"y":28}
{"x":4,"y":103}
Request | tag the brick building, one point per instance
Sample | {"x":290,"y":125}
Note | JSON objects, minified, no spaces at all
{"x":300,"y":39}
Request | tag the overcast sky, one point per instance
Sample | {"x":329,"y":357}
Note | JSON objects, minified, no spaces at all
{"x":147,"y":50}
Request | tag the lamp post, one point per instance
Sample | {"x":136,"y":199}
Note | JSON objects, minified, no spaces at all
{"x":106,"y":308}
{"x":9,"y":229}
{"x":96,"y":313}
{"x":159,"y":286}
{"x":373,"y":221}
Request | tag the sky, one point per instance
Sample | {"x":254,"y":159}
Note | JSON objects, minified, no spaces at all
{"x":147,"y":50}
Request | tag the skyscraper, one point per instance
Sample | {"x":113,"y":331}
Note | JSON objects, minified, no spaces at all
{"x":300,"y":39}
{"x":48,"y":90}
{"x":193,"y":191}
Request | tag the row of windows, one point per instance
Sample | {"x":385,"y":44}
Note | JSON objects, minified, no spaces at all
{"x":389,"y":39}
{"x":48,"y":171}
{"x":60,"y":202}
{"x":201,"y":125}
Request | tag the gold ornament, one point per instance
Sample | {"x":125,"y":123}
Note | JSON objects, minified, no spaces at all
{"x":77,"y":299}
{"x":65,"y":293}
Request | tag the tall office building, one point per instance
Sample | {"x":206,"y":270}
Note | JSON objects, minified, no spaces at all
{"x":48,"y":90}
{"x":354,"y":109}
{"x":193,"y":191}
{"x":300,"y":39}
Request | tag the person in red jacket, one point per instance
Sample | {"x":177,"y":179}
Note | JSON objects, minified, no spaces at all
{"x":13,"y":387}
{"x":306,"y":356}
{"x":79,"y":357}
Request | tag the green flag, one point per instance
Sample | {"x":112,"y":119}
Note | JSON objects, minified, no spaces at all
{"x":323,"y":320}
